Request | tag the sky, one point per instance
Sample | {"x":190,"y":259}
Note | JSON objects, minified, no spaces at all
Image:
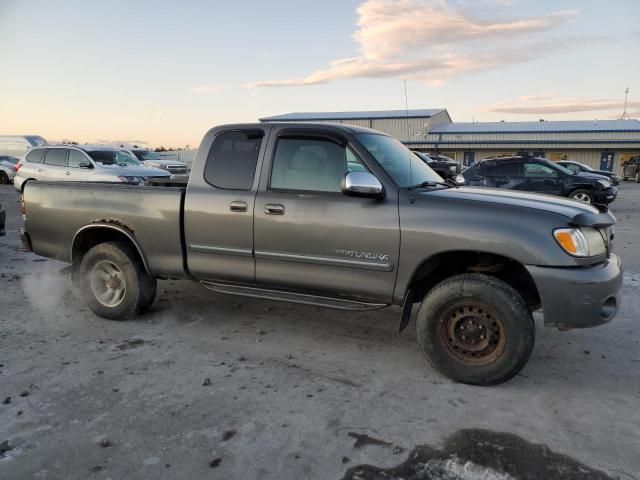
{"x":164,"y":72}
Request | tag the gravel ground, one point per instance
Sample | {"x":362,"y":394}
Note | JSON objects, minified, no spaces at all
{"x":212,"y":386}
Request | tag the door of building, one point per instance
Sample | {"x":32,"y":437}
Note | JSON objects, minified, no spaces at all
{"x":469,"y":158}
{"x":606,"y":161}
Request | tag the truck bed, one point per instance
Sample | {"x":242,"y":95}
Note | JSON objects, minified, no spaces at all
{"x":57,"y":211}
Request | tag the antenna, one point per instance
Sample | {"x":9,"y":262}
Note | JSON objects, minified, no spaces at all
{"x":625,"y":115}
{"x":406,"y":108}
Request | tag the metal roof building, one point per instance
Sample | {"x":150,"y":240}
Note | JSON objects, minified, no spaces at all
{"x":399,"y":123}
{"x":603,"y":144}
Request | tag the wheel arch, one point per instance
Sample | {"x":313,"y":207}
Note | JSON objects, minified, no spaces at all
{"x":438,"y":267}
{"x":91,"y":235}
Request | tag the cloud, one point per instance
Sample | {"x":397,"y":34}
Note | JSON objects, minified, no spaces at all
{"x":545,"y":104}
{"x":432,"y":41}
{"x":128,"y":141}
{"x":211,"y":88}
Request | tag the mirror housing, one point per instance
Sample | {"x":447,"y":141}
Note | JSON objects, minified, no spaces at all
{"x":85,"y":165}
{"x":362,"y":184}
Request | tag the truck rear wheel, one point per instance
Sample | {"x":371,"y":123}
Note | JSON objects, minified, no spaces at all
{"x":114,"y":282}
{"x":476,"y":329}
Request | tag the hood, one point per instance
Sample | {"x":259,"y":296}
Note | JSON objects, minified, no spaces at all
{"x":443,"y":162}
{"x":604,"y":173}
{"x":592,"y":176}
{"x":165,"y":162}
{"x":576,"y":212}
{"x":140,"y":171}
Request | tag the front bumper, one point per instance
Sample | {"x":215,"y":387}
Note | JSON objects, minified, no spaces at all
{"x":579,"y":297}
{"x":606,"y":195}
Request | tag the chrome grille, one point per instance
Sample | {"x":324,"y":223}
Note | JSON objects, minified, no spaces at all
{"x":177,"y":169}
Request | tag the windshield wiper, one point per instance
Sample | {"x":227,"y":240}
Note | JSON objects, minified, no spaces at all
{"x":430,"y":183}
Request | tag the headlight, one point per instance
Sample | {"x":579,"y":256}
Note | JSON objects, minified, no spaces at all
{"x":134,"y":180}
{"x":580,"y":242}
{"x":604,"y":183}
{"x":460,"y":180}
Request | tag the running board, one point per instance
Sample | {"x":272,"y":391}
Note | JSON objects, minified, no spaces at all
{"x":291,"y":297}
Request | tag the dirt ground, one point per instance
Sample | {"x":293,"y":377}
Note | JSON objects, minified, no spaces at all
{"x":211,"y":386}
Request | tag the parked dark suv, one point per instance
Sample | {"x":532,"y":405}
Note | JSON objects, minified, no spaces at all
{"x":444,"y":166}
{"x":576,"y":167}
{"x":539,"y":175}
{"x":631,"y":170}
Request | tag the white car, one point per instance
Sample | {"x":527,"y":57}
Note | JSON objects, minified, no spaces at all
{"x":85,"y":163}
{"x":7,"y":168}
{"x":179,"y":170}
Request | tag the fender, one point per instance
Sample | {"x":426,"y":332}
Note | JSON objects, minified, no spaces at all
{"x":119,"y":228}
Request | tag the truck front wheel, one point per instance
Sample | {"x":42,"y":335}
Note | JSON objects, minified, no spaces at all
{"x":114,"y":282}
{"x":476,"y":329}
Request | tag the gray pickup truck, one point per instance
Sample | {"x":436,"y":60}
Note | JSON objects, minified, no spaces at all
{"x":342,"y":217}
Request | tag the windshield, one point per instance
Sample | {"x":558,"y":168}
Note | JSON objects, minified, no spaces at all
{"x":402,"y":165}
{"x":113,"y":157}
{"x":586,"y":167}
{"x":556,"y":166}
{"x":147,"y":155}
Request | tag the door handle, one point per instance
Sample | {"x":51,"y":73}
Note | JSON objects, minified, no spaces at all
{"x":238,"y":206}
{"x":67,"y":173}
{"x":274,"y":209}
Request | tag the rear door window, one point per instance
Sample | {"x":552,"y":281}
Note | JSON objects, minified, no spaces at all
{"x":502,"y":168}
{"x":56,"y":157}
{"x":35,"y":156}
{"x":231,"y":163}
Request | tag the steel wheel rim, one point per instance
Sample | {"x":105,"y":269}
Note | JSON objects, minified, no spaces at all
{"x":582,"y":197}
{"x":107,"y":283}
{"x":472,"y":333}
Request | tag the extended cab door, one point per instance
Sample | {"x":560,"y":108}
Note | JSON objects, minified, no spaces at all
{"x":218,"y":218}
{"x":311,"y":237}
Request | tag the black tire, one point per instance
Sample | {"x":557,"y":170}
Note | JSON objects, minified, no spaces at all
{"x":121,"y":264}
{"x":4,"y":178}
{"x":481,"y":304}
{"x":579,"y":193}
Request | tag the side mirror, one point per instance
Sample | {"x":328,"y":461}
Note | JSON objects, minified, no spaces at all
{"x":459,"y":180}
{"x":362,"y":184}
{"x":85,"y":165}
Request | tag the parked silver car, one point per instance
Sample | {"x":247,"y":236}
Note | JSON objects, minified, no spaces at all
{"x":7,"y":168}
{"x":86,"y":163}
{"x":179,"y":170}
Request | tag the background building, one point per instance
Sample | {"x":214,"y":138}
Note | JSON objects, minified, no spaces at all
{"x":601,"y":144}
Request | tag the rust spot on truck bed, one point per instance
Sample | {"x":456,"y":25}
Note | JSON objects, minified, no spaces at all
{"x":116,"y":222}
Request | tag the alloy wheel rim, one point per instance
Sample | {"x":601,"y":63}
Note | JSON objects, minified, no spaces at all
{"x":473,"y":333}
{"x":582,"y":197}
{"x":107,"y":283}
